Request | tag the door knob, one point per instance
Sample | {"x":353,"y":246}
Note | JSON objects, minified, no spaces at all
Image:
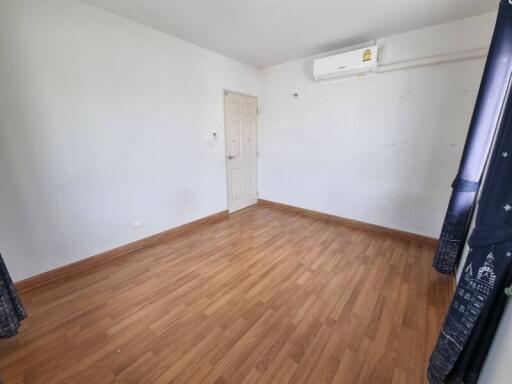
{"x":231,"y":157}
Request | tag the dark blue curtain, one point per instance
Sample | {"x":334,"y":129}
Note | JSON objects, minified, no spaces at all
{"x":486,"y":117}
{"x":478,"y":303}
{"x":11,"y":309}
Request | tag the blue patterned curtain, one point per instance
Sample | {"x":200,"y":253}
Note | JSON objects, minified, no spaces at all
{"x":11,"y":309}
{"x":486,"y":117}
{"x":479,"y":299}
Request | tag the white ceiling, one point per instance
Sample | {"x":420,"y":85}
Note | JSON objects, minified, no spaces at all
{"x":267,"y":32}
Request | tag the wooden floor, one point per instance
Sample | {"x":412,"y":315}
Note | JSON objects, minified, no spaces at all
{"x":266,"y":296}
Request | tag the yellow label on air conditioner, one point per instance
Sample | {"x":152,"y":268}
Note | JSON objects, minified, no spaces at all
{"x":367,"y":55}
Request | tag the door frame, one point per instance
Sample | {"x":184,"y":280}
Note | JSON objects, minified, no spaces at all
{"x":225,"y":92}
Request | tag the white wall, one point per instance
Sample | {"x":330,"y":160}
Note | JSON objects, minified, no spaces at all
{"x":382,"y":149}
{"x":103,"y":122}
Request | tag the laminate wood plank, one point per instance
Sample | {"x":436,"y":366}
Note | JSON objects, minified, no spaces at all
{"x":74,"y":269}
{"x":350,"y":222}
{"x":267,"y":295}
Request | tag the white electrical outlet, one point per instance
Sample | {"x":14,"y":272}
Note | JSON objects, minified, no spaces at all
{"x":138,"y":224}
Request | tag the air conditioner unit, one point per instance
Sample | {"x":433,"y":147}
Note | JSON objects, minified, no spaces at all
{"x":347,"y":64}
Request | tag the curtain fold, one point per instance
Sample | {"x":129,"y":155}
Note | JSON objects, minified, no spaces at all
{"x":11,"y":309}
{"x":479,"y":299}
{"x":471,"y":361}
{"x":486,"y":118}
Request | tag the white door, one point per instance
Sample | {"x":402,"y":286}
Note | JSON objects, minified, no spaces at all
{"x":241,"y":114}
